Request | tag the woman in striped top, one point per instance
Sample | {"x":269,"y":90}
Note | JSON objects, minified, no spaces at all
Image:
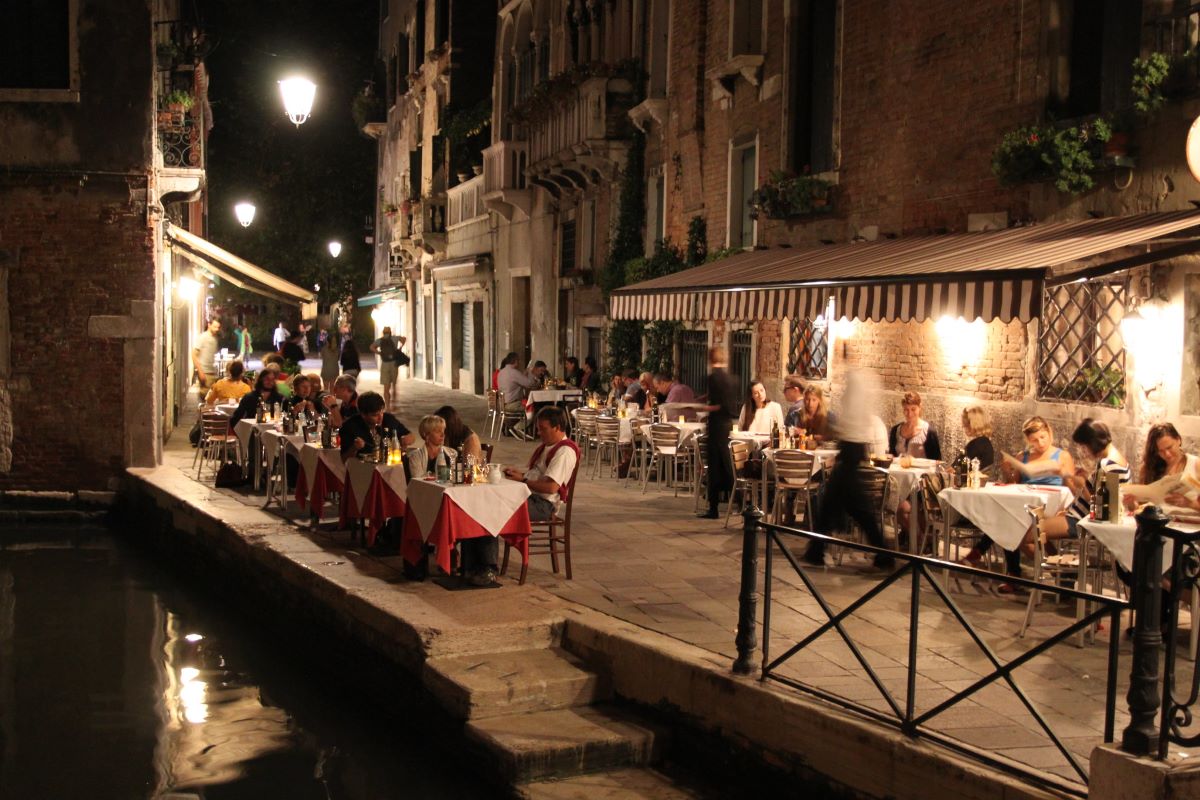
{"x":1096,"y":440}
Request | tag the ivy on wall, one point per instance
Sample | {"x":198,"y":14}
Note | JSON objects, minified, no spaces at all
{"x":625,"y":336}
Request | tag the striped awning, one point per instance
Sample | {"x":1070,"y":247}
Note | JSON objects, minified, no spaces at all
{"x":984,"y":275}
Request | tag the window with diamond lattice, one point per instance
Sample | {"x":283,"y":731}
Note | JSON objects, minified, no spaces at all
{"x":1081,"y":355}
{"x":808,"y":355}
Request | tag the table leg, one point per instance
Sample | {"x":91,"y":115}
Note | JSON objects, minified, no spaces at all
{"x":1081,"y":586}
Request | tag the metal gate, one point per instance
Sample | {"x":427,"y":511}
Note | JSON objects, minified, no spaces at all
{"x":693,"y":362}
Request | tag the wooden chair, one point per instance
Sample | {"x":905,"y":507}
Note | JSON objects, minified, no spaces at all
{"x":793,"y":479}
{"x":215,"y":439}
{"x":739,"y":457}
{"x":558,"y":535}
{"x":495,"y":412}
{"x":874,"y":483}
{"x":1051,"y":570}
{"x":508,"y":419}
{"x":608,"y":440}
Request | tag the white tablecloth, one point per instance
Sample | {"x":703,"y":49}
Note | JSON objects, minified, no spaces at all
{"x":905,"y":482}
{"x":271,"y":438}
{"x":489,"y":504}
{"x":360,"y":473}
{"x":310,"y":454}
{"x":245,"y":427}
{"x":555,"y":395}
{"x":999,"y":511}
{"x":1118,"y":538}
{"x":687,"y":430}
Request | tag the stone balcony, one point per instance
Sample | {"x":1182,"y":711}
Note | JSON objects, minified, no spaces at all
{"x":584,"y":139}
{"x":505,"y":188}
{"x":429,"y":224}
{"x":464,"y":203}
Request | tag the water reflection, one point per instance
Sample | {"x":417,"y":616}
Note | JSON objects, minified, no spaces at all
{"x":114,"y":683}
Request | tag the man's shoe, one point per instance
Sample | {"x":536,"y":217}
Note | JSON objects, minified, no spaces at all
{"x":485,"y":577}
{"x":712,"y":513}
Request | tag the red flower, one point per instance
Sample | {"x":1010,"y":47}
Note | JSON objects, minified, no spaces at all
{"x":1033,"y":137}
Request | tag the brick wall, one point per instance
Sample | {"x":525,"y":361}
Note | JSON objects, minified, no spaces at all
{"x":77,"y":248}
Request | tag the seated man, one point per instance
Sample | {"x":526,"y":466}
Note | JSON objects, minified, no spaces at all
{"x":342,"y":404}
{"x":265,"y":391}
{"x":674,"y":392}
{"x":515,"y":385}
{"x":551,"y":466}
{"x":635,"y":394}
{"x":793,"y":392}
{"x":231,"y":387}
{"x":357,"y":432}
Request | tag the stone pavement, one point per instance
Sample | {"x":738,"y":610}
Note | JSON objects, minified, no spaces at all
{"x":645,"y":558}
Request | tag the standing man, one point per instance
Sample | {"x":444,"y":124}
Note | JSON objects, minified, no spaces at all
{"x":385,"y":348}
{"x":722,"y":411}
{"x":280,"y":336}
{"x":204,"y":354}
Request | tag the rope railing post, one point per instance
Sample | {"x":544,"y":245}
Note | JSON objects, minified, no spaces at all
{"x":1140,"y":737}
{"x":747,"y":640}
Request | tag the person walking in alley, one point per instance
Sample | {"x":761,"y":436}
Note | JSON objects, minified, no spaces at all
{"x":245,"y":344}
{"x":722,"y":410}
{"x":385,"y":347}
{"x":204,"y":354}
{"x":280,"y":336}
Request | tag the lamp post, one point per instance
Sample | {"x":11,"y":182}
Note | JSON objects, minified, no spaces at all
{"x":245,"y":213}
{"x":335,"y":249}
{"x":298,"y":94}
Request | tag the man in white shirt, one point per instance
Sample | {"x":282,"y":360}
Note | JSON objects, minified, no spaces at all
{"x":204,"y":354}
{"x":551,"y":467}
{"x":280,"y":336}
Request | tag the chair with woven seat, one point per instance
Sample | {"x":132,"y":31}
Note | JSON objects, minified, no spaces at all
{"x":215,"y":440}
{"x":558,"y":535}
{"x":793,"y":479}
{"x":1061,"y":569}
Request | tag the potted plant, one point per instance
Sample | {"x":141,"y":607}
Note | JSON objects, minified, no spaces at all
{"x":477,"y":169}
{"x":390,"y":210}
{"x":1149,"y":75}
{"x":167,"y":54}
{"x":1066,"y":155}
{"x":785,"y":195}
{"x":178,"y":103}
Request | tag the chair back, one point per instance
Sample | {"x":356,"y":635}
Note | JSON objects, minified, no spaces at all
{"x":493,"y":400}
{"x":794,"y":467}
{"x":664,"y":436}
{"x":739,"y":455}
{"x":874,"y":483}
{"x":702,"y":449}
{"x":585,"y":420}
{"x":608,"y":429}
{"x":213,"y":424}
{"x":931,"y":484}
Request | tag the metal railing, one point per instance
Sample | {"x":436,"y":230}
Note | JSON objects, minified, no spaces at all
{"x":1158,"y":716}
{"x":182,"y":143}
{"x":1176,"y":35}
{"x":920,"y":571}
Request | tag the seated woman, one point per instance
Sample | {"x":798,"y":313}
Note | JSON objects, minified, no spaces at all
{"x":432,"y":452}
{"x":914,"y":436}
{"x":1164,"y":457}
{"x":815,"y":419}
{"x":265,"y":391}
{"x":231,"y":387}
{"x":758,"y":414}
{"x":458,"y":435}
{"x":1096,"y":440}
{"x":978,"y":429}
{"x":1044,"y":465}
{"x":616,"y":389}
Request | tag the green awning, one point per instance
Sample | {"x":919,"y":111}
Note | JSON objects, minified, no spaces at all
{"x":378,"y":296}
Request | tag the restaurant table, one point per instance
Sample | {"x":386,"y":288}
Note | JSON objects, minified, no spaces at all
{"x":442,"y":514}
{"x":321,"y":472}
{"x":246,"y":430}
{"x":274,"y":444}
{"x":374,"y":492}
{"x":555,"y":395}
{"x":998,"y":509}
{"x":905,"y":482}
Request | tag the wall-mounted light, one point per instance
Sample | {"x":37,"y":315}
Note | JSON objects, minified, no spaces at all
{"x":963,"y":342}
{"x":1142,"y":330}
{"x":186,"y":288}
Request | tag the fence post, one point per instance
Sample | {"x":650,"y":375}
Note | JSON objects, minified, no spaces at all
{"x":747,"y":640}
{"x":1141,"y":735}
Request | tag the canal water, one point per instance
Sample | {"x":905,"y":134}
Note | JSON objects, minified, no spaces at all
{"x":119,"y":681}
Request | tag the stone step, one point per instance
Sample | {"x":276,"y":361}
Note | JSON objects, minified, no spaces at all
{"x":486,"y":685}
{"x":565,"y":742}
{"x":629,"y":783}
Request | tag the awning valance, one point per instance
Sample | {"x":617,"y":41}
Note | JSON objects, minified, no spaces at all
{"x":225,"y":264}
{"x":377,"y":296}
{"x":986,"y":275}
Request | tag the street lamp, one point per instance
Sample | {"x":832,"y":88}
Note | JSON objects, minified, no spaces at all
{"x":245,"y":213}
{"x":335,"y":249}
{"x":298,"y":94}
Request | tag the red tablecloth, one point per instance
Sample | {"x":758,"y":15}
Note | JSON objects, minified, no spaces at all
{"x":381,"y":504}
{"x":323,"y":483}
{"x":453,"y":524}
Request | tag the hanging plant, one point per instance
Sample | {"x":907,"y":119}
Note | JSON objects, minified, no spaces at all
{"x":1067,"y":156}
{"x":785,"y":195}
{"x":1149,"y":75}
{"x":550,"y":93}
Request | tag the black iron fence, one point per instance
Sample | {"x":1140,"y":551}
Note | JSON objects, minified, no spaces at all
{"x":920,"y":572}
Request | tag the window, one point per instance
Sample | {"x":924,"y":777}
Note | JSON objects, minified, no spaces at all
{"x":566,"y":248}
{"x":1081,"y":355}
{"x":746,"y":28}
{"x":693,"y":362}
{"x":657,"y":46}
{"x":441,"y":23}
{"x":656,"y":211}
{"x":39,"y":51}
{"x":393,"y":81}
{"x":743,"y":179}
{"x":812,"y":86}
{"x":808,"y":352}
{"x":587,"y":234}
{"x":402,"y":69}
{"x":741,"y":359}
{"x":1100,"y":40}
{"x":593,"y":341}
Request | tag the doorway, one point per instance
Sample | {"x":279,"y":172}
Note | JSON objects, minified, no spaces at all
{"x":522,"y":330}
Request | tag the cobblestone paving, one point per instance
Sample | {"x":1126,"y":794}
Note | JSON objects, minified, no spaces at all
{"x":646,"y":558}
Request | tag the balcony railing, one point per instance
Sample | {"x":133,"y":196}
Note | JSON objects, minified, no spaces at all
{"x":464,"y":202}
{"x":182,"y":143}
{"x":597,"y":111}
{"x":504,"y":166}
{"x":1176,"y":35}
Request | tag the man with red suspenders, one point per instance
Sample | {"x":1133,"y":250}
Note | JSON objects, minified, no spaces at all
{"x":551,"y":467}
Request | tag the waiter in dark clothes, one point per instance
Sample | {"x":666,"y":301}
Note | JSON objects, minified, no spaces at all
{"x":722,"y":410}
